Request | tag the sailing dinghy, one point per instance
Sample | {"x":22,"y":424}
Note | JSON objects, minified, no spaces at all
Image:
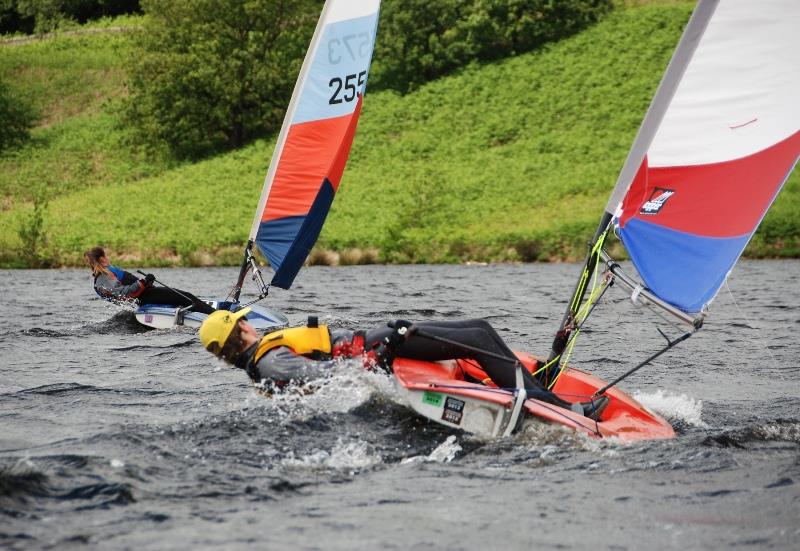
{"x":719,"y":140}
{"x":307,"y":164}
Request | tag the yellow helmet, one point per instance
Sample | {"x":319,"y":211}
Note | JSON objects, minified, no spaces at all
{"x":218,"y":327}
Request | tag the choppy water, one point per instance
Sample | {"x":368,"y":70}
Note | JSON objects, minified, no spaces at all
{"x":120,"y":438}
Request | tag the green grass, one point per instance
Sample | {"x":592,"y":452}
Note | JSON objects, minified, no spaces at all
{"x":74,"y":82}
{"x":505,"y":161}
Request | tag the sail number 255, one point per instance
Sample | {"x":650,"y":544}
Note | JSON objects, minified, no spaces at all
{"x":350,"y":84}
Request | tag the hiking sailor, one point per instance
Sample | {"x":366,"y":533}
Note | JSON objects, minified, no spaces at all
{"x":115,"y":284}
{"x":302,"y":354}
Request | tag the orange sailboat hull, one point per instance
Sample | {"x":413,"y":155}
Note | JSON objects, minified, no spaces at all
{"x":443,"y":392}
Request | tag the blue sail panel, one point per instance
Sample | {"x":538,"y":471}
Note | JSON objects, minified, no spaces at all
{"x":287,"y":242}
{"x":683,"y":269}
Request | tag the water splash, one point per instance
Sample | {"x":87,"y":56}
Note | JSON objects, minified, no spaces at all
{"x":443,"y":453}
{"x":778,"y":430}
{"x":348,"y":387}
{"x":21,"y":480}
{"x":446,"y":451}
{"x":343,"y":456}
{"x":551,"y":437}
{"x":675,"y":407}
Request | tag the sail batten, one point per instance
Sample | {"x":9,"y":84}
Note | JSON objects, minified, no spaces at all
{"x":315,"y":139}
{"x":701,"y":177}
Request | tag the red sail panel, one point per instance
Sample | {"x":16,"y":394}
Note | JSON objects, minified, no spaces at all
{"x":311,"y":151}
{"x":339,"y":162}
{"x":723,"y":199}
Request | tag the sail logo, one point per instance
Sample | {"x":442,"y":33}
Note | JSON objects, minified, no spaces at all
{"x":656,"y":201}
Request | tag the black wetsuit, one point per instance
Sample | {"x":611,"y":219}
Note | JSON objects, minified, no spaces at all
{"x":476,"y":333}
{"x":121,"y":285}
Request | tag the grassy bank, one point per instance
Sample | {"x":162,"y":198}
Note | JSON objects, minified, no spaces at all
{"x":74,"y":82}
{"x":507,"y":161}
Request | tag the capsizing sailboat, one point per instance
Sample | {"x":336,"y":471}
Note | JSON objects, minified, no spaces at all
{"x":307,"y":163}
{"x":719,"y":140}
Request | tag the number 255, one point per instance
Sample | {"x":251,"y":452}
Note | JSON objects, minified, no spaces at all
{"x":351,"y":86}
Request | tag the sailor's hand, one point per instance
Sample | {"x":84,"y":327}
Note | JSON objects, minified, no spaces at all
{"x":380,"y":357}
{"x":149,"y":279}
{"x":402,"y":330}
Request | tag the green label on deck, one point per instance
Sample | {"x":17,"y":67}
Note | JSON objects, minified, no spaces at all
{"x":432,"y":398}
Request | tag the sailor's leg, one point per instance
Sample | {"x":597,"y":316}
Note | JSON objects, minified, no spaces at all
{"x":162,"y":295}
{"x":474,"y":333}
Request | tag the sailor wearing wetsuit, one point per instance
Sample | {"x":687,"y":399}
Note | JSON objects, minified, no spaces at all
{"x":113,"y":283}
{"x":302,"y":354}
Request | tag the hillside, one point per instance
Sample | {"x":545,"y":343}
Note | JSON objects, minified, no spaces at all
{"x":512,"y":160}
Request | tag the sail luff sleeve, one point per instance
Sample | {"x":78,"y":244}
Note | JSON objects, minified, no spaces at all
{"x":664,"y":93}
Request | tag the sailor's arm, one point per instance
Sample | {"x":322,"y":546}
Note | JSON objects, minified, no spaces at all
{"x":282,"y":365}
{"x":109,"y":286}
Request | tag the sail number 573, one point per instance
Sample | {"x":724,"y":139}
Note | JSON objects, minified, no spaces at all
{"x":354,"y":46}
{"x":346,"y":89}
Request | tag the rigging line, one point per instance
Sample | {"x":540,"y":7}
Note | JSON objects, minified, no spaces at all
{"x":257,"y":299}
{"x":595,"y":296}
{"x":764,"y":342}
{"x":670,"y":344}
{"x":505,"y":389}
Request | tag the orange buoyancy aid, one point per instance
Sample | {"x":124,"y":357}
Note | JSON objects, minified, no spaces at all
{"x":306,"y":341}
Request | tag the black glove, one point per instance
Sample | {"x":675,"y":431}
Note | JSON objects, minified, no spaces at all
{"x":385,"y":351}
{"x":149,"y":279}
{"x":402,"y":330}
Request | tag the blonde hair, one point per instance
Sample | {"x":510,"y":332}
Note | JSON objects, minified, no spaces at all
{"x":93,"y":257}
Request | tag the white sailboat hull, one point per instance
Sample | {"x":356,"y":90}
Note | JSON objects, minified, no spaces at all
{"x":165,"y":316}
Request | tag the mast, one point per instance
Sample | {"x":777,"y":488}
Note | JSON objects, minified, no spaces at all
{"x":666,"y":91}
{"x":249,"y":262}
{"x":579,"y":292}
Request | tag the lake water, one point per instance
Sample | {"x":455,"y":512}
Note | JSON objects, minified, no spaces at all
{"x":120,"y":437}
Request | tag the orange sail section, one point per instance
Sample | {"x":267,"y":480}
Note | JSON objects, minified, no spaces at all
{"x":311,"y":150}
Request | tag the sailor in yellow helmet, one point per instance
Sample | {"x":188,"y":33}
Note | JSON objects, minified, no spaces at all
{"x":302,"y":354}
{"x":283,"y":355}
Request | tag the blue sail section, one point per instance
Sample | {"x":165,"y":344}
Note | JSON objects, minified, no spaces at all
{"x":275,"y":237}
{"x":683,"y":269}
{"x":287,"y":242}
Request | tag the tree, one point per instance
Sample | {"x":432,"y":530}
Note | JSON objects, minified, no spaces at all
{"x":211,"y":74}
{"x":43,"y":16}
{"x":16,"y":118}
{"x":420,"y":40}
